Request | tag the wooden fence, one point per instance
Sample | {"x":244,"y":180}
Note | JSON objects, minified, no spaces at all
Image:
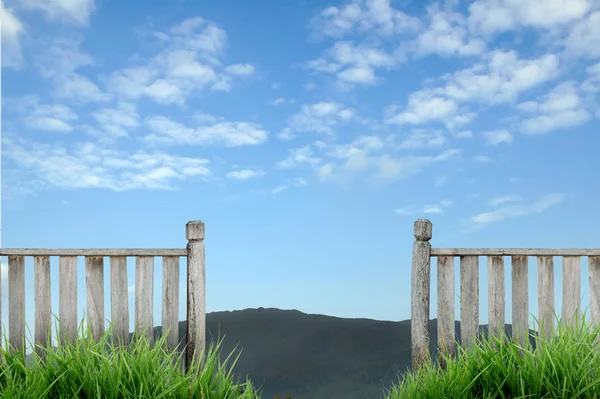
{"x":94,"y":273}
{"x":469,"y":291}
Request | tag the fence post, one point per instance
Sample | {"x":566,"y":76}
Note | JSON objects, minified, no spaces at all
{"x":196,"y":294}
{"x":420,"y":283}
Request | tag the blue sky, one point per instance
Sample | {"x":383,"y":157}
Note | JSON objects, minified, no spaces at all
{"x":307,"y":135}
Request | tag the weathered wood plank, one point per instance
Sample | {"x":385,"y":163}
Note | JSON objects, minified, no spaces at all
{"x":571,"y":289}
{"x":119,"y":300}
{"x":94,"y":280}
{"x":144,"y":293}
{"x":445,"y":304}
{"x":594,"y":265}
{"x":67,"y":305}
{"x":515,"y":251}
{"x":520,"y":300}
{"x":496,"y":298}
{"x":43,"y":309}
{"x":546,"y":296}
{"x":92,"y":252}
{"x":16,"y":302}
{"x":469,"y":300}
{"x":196,"y":292}
{"x":170,"y":302}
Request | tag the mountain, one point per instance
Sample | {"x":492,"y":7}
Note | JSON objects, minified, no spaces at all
{"x":311,"y":356}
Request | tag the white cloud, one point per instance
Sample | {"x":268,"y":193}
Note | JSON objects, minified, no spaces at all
{"x":495,"y":16}
{"x":117,"y":121}
{"x":504,"y":199}
{"x":424,"y":106}
{"x":538,"y":206}
{"x":240,"y":69}
{"x":352,"y":64}
{"x":11,"y":30}
{"x":48,"y":117}
{"x":63,"y":56}
{"x":363,"y":16}
{"x":244,"y":174}
{"x":584,"y":39}
{"x":76,"y":87}
{"x":495,"y":137}
{"x":320,"y":117}
{"x":283,"y":100}
{"x":230,"y":134}
{"x":592,"y":83}
{"x":463,"y":134}
{"x":297,"y":182}
{"x":189,"y":62}
{"x":560,"y":109}
{"x":447,"y":35}
{"x":423,"y":139}
{"x":436,"y":208}
{"x":87,"y":165}
{"x":59,"y":60}
{"x":502,"y":78}
{"x":297,"y":157}
{"x":75,"y":12}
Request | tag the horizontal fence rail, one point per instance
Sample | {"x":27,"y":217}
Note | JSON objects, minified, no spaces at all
{"x":515,"y":252}
{"x":469,"y":292}
{"x":94,"y":273}
{"x":92,"y":252}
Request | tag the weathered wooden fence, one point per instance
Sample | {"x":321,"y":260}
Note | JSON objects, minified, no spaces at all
{"x":469,"y":292}
{"x":94,"y":273}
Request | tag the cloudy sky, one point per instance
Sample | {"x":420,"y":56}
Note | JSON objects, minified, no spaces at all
{"x":307,"y":135}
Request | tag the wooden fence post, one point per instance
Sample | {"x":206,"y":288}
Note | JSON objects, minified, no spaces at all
{"x":196,"y":294}
{"x":421,"y":271}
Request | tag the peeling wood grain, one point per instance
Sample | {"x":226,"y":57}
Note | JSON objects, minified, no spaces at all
{"x":469,"y":300}
{"x":119,"y":300}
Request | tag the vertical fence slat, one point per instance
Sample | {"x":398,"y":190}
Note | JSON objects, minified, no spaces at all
{"x":94,"y":279}
{"x":67,"y":305}
{"x":119,"y":299}
{"x":170,"y":311}
{"x":445,"y":305}
{"x":594,"y":265}
{"x":16,"y":302}
{"x":43,"y":310}
{"x":520,"y":300}
{"x":571,"y":289}
{"x":496,"y":298}
{"x":196,"y":294}
{"x":469,"y":300}
{"x":144,"y":293}
{"x":546,"y":296}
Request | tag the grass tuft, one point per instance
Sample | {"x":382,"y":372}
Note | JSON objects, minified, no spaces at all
{"x":567,"y":366}
{"x":104,"y":370}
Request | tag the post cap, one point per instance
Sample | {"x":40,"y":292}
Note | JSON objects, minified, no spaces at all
{"x":194,"y":230}
{"x":422,"y":230}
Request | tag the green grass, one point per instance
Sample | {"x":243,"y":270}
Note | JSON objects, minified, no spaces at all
{"x":86,"y":369}
{"x":565,"y":367}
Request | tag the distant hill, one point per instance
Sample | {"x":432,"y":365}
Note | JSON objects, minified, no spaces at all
{"x":310,"y":356}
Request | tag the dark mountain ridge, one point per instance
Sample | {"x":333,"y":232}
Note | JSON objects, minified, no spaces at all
{"x":313,"y":356}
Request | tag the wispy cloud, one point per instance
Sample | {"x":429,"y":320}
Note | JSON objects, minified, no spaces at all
{"x":297,"y":182}
{"x":538,"y":206}
{"x":435,"y":208}
{"x":245,"y":174}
